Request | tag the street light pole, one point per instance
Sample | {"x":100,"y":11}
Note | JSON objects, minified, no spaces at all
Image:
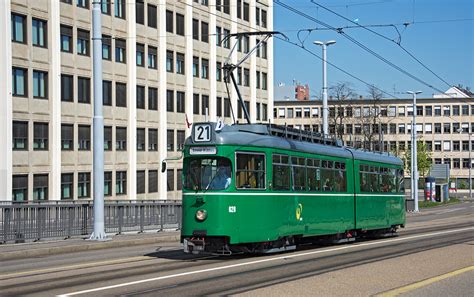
{"x":414,"y":159}
{"x":324,"y":45}
{"x":470,"y":165}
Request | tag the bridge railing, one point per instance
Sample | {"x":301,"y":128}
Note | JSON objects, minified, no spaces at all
{"x":59,"y":219}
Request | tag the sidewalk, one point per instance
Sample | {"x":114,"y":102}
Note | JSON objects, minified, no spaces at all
{"x":52,"y":247}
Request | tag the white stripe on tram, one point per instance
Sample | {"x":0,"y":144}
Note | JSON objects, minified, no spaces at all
{"x":284,"y":194}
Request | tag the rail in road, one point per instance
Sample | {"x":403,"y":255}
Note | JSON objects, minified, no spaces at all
{"x":368,"y":267}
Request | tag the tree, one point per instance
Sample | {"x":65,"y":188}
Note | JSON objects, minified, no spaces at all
{"x":423,"y":158}
{"x":340,"y":106}
{"x":370,"y":119}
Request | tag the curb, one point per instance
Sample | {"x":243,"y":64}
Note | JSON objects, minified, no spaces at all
{"x":86,"y":246}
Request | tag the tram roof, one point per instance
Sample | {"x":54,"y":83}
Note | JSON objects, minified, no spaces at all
{"x":258,"y":135}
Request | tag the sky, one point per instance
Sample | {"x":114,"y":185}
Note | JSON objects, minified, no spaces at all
{"x":439,"y":33}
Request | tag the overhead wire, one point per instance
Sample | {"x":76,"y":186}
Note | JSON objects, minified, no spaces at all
{"x":302,"y":47}
{"x":383,"y":36}
{"x":358,"y":43}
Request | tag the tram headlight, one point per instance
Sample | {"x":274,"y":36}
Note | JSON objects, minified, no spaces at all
{"x":201,"y":215}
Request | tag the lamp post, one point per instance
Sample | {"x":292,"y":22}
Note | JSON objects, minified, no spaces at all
{"x":414,"y":165}
{"x":324,"y":45}
{"x":470,"y":167}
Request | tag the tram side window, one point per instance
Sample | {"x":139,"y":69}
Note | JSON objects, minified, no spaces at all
{"x":314,"y":174}
{"x":327,"y":175}
{"x":340,"y":175}
{"x":369,"y":178}
{"x":401,"y":181}
{"x":250,"y":171}
{"x":281,"y":172}
{"x":388,"y":180}
{"x":299,"y":173}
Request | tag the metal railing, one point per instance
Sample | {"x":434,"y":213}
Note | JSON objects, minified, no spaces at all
{"x":58,"y":219}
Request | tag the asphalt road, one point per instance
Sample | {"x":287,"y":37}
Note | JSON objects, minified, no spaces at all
{"x":427,"y":258}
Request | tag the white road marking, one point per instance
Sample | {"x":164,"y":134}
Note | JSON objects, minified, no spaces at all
{"x":276,"y":258}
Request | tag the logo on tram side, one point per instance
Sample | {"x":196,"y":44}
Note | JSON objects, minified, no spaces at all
{"x":299,"y":211}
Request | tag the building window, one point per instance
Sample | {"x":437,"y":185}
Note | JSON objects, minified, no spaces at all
{"x":246,"y":77}
{"x":151,"y":12}
{"x":456,"y":146}
{"x":169,"y":61}
{"x":83,"y":90}
{"x":82,"y":42}
{"x":180,"y":24}
{"x":152,"y":181}
{"x":40,"y":136}
{"x":105,"y":7}
{"x":219,"y":106}
{"x":18,"y":29}
{"x":456,"y":110}
{"x":121,"y":138}
{"x":82,"y":3}
{"x":195,"y":66}
{"x":84,"y":137}
{"x":204,"y":32}
{"x":264,"y":112}
{"x":140,"y":181}
{"x":195,"y":29}
{"x":180,"y":63}
{"x":195,"y":103}
{"x":264,"y":81}
{"x":153,"y":140}
{"x":107,"y":93}
{"x":40,"y":36}
{"x":428,"y":110}
{"x":205,"y":68}
{"x":152,"y":52}
{"x":169,"y":21}
{"x":121,"y":183}
{"x":83,"y":185}
{"x":66,"y":39}
{"x":67,"y":191}
{"x":140,"y":12}
{"x":264,"y":18}
{"x":239,"y":9}
{"x":40,"y":84}
{"x":20,"y":188}
{"x":120,"y":8}
{"x":120,"y":51}
{"x":227,"y":6}
{"x":108,"y":183}
{"x":180,"y":139}
{"x":107,"y":138}
{"x":141,"y":97}
{"x":205,"y":105}
{"x":437,"y":127}
{"x":170,"y":140}
{"x":170,"y":180}
{"x":447,"y":127}
{"x":106,"y":47}
{"x":246,"y":11}
{"x":121,"y":94}
{"x":67,"y":88}
{"x":152,"y":98}
{"x":67,"y":137}
{"x":141,"y":139}
{"x":437,"y":109}
{"x":140,"y":54}
{"x":226,"y":40}
{"x":180,"y":102}
{"x":40,"y":187}
{"x":169,"y":100}
{"x":19,"y":82}
{"x":218,"y":71}
{"x":20,"y":136}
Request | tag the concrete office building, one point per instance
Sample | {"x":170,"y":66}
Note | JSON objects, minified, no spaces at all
{"x":161,"y":64}
{"x":444,"y":123}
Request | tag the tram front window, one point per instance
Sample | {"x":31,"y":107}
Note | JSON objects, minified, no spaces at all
{"x":207,"y":174}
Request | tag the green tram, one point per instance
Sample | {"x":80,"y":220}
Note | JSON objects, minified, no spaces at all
{"x":263,"y":188}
